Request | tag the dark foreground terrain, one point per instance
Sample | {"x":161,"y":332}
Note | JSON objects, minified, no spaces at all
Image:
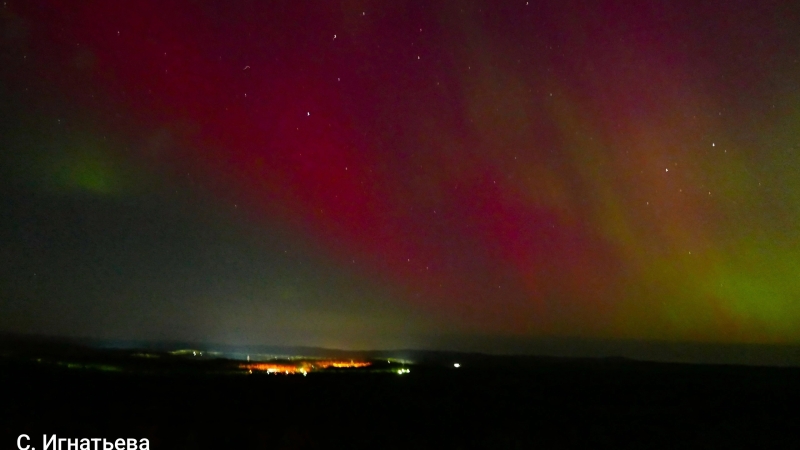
{"x":487,"y":403}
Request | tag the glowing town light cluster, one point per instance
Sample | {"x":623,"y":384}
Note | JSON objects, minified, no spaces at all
{"x":285,"y":369}
{"x":302,"y":368}
{"x":340,"y":364}
{"x":402,"y":371}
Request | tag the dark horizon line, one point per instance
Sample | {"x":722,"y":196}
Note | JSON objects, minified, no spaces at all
{"x":747,"y":354}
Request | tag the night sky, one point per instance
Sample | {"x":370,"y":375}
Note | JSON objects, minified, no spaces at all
{"x":366,"y":174}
